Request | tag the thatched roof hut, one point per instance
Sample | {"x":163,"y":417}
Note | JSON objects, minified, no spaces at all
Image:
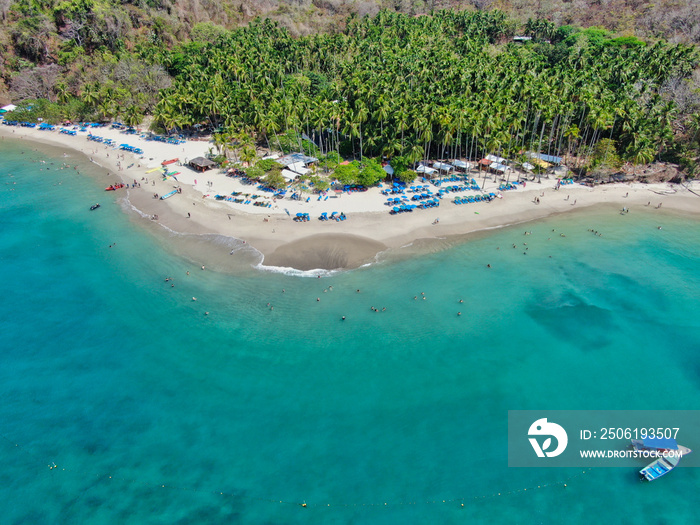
{"x":201,"y":164}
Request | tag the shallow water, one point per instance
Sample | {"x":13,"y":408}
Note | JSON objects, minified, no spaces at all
{"x":156,"y":413}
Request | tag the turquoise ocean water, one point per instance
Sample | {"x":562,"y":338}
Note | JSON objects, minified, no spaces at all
{"x":153,"y":412}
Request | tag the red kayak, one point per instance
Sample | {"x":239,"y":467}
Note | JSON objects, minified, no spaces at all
{"x":171,"y":161}
{"x":113,"y":187}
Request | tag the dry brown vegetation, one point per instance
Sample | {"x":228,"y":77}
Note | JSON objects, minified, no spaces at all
{"x":673,"y":20}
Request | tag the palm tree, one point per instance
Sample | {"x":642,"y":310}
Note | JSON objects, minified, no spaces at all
{"x":643,"y":155}
{"x":132,"y":116}
{"x":62,"y":93}
{"x":419,"y":81}
{"x":248,"y":154}
{"x":90,"y":94}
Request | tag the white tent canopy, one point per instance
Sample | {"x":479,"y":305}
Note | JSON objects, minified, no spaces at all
{"x":289,"y":175}
{"x":528,"y":166}
{"x":547,"y":158}
{"x":499,"y":167}
{"x":461,"y":164}
{"x":389,"y":170}
{"x":442,"y":166}
{"x":494,"y":158}
{"x":9,"y":107}
{"x":425,"y":169}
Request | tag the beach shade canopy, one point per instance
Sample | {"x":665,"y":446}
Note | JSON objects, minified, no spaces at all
{"x":546,"y":158}
{"x":9,"y":107}
{"x":425,"y":169}
{"x":389,"y":170}
{"x":485,"y":162}
{"x":495,"y":158}
{"x":461,"y":164}
{"x":202,"y":164}
{"x":498,"y":167}
{"x":528,"y":166}
{"x":442,"y":166}
{"x":289,"y":175}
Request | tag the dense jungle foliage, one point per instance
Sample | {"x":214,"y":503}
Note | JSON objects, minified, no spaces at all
{"x":453,"y":83}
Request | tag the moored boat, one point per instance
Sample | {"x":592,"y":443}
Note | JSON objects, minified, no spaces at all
{"x":113,"y":187}
{"x":669,"y":455}
{"x":171,"y":161}
{"x":95,"y":206}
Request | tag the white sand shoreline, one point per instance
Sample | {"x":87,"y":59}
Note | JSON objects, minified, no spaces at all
{"x":369,"y":229}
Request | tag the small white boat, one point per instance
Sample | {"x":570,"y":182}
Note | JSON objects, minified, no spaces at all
{"x":670,"y":454}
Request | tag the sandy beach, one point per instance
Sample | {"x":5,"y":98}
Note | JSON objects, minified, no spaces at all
{"x":369,"y":228}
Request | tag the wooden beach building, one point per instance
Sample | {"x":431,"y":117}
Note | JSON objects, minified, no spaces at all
{"x":201,"y":164}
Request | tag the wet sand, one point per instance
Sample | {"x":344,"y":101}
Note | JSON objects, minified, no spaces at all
{"x":325,"y":251}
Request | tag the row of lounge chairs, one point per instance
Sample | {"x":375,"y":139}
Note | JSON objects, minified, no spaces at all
{"x":302,"y":217}
{"x":353,"y":188}
{"x":397,"y":188}
{"x":456,"y":189}
{"x":242,"y":200}
{"x":132,"y":149}
{"x":508,"y":186}
{"x":452,"y":178}
{"x":278,"y":194}
{"x":166,"y":140}
{"x":474,"y":198}
{"x":18,"y":123}
{"x":47,"y":126}
{"x":422,"y":196}
{"x":95,"y":138}
{"x":335,"y":216}
{"x":418,"y":189}
{"x":407,"y":208}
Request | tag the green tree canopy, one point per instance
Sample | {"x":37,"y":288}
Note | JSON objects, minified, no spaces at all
{"x":347,"y":173}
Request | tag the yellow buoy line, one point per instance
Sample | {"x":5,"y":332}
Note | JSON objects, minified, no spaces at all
{"x":458,"y":501}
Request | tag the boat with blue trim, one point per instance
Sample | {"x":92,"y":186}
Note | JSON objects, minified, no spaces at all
{"x":668,"y":454}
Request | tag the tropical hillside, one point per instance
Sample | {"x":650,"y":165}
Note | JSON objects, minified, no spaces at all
{"x":450,"y":84}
